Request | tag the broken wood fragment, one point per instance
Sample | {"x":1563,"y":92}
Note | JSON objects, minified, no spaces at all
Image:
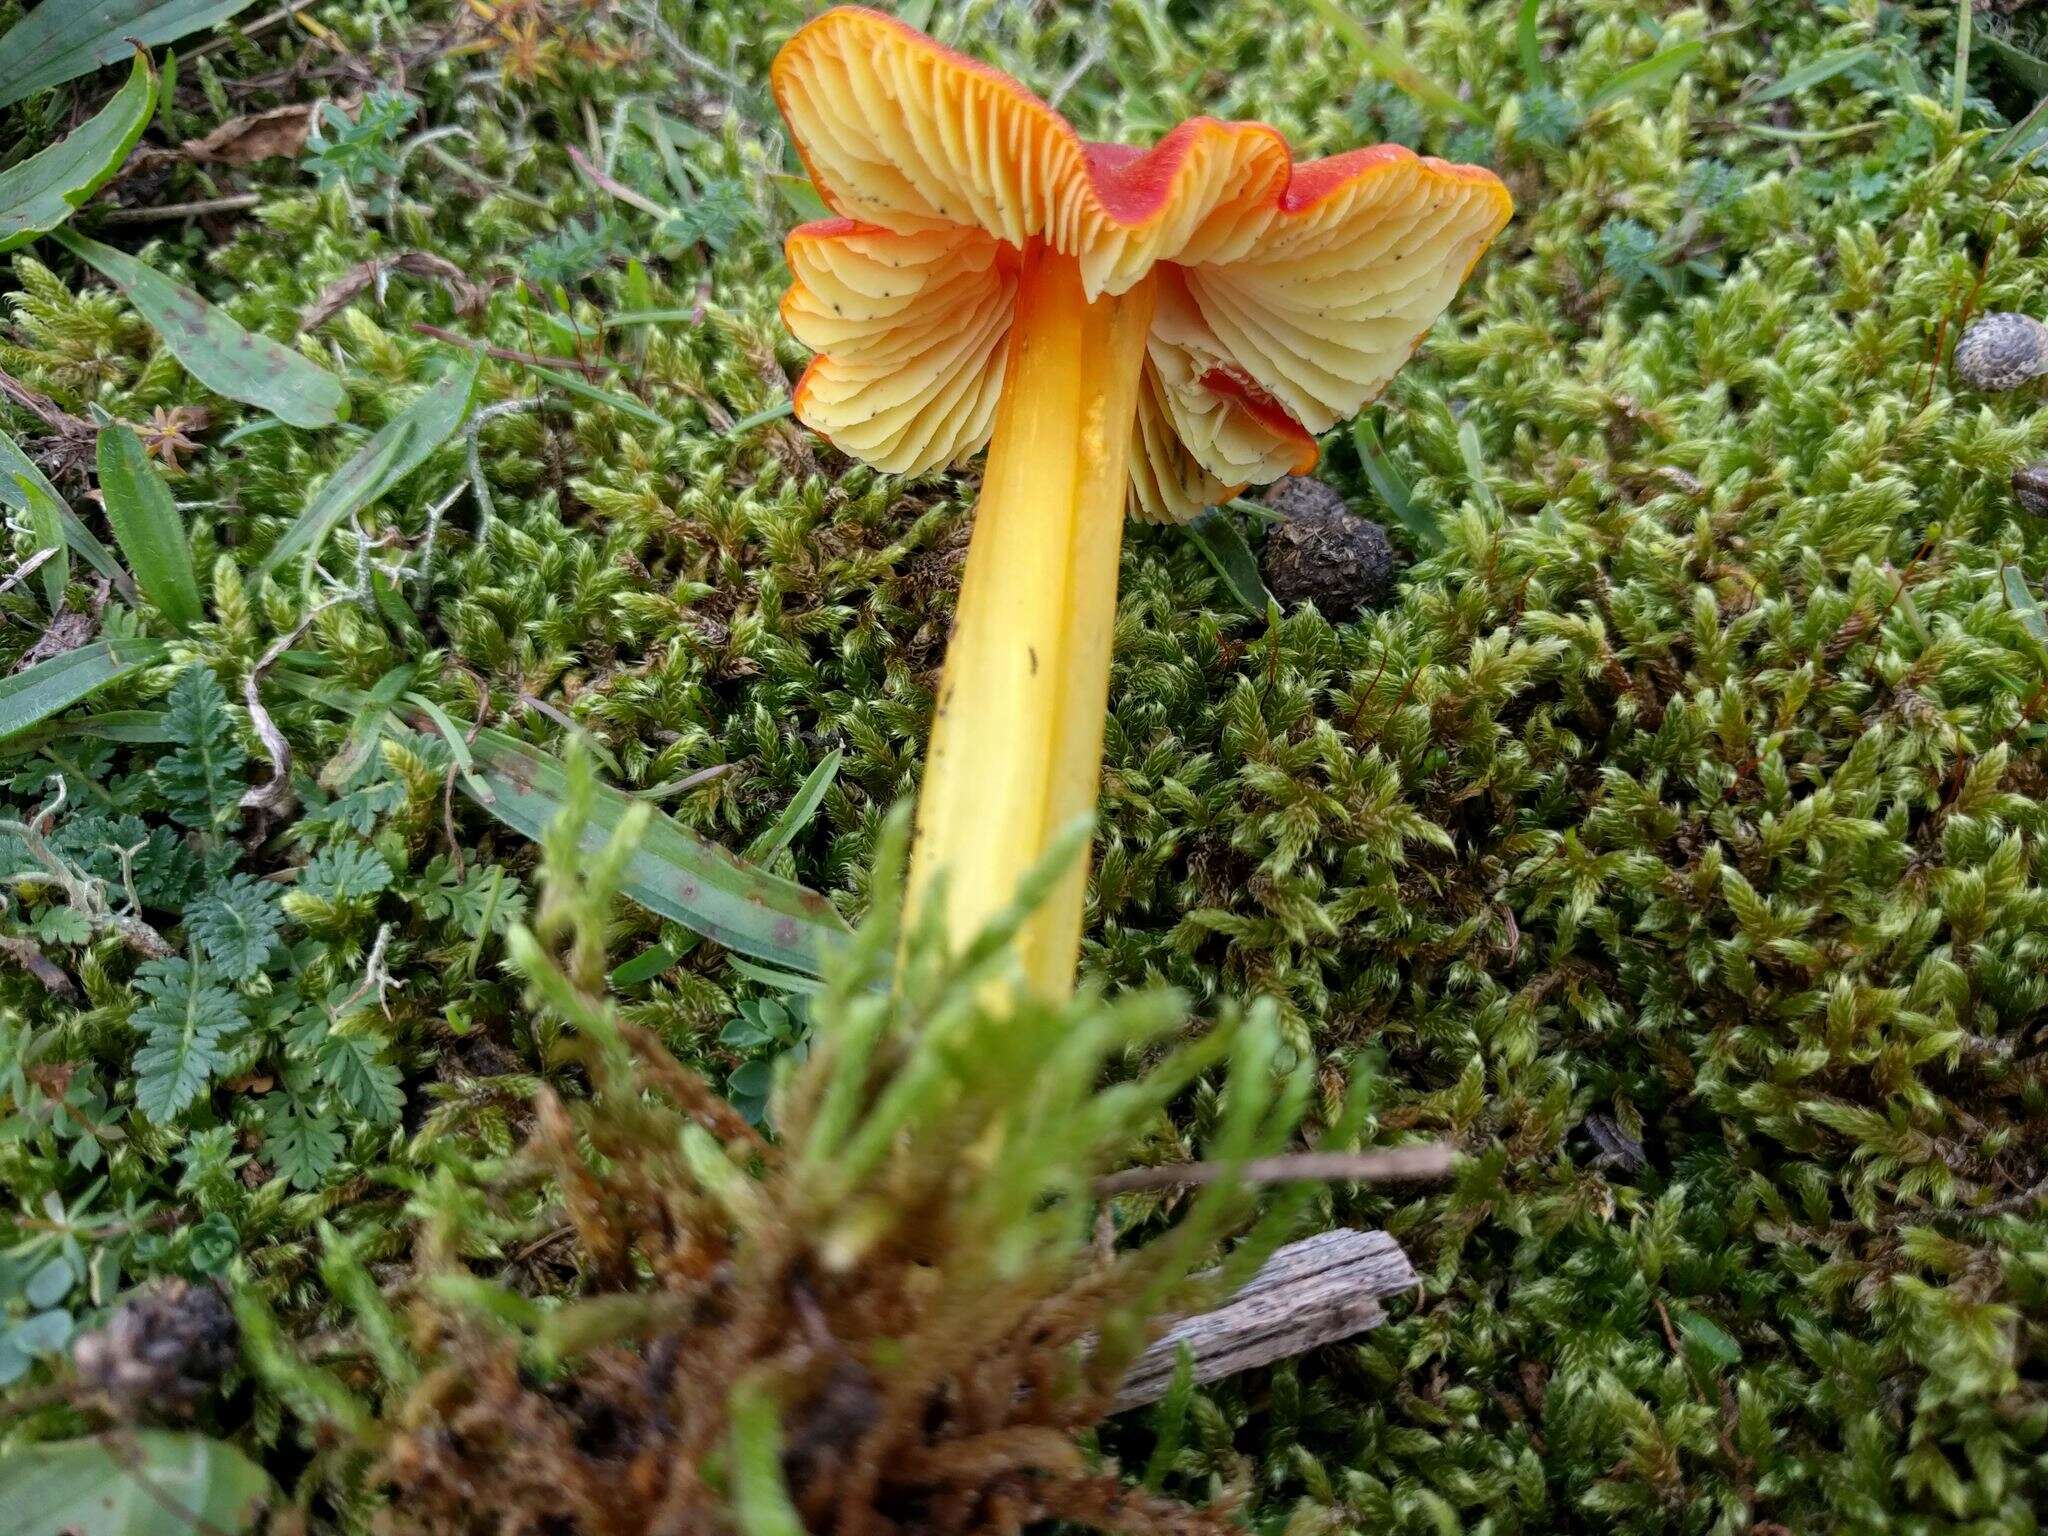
{"x":1315,"y":1292}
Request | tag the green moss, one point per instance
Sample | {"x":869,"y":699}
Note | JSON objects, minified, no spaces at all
{"x":1693,"y":795}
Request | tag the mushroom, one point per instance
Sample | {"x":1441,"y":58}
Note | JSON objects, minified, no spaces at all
{"x":1149,"y":329}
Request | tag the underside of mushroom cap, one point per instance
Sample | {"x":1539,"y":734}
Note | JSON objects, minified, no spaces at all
{"x":1291,"y":293}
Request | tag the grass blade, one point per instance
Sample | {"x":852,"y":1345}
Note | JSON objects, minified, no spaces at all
{"x":798,"y":813}
{"x":47,"y":188}
{"x":1392,"y":488}
{"x":2024,"y":137}
{"x":147,"y":527}
{"x":2027,"y":606}
{"x":1391,"y":64}
{"x":214,"y":349}
{"x":2030,"y":71}
{"x":47,"y":524}
{"x":1816,"y":72}
{"x":1528,"y":44}
{"x":597,"y":394}
{"x":761,"y":418}
{"x":134,"y":727}
{"x":457,"y":747}
{"x":17,"y":467}
{"x":399,"y":448}
{"x":1658,"y":69}
{"x":1223,"y":545}
{"x":31,"y":697}
{"x":62,"y":40}
{"x":672,"y":872}
{"x":760,"y":1498}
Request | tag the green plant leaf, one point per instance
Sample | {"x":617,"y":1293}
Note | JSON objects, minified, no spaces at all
{"x":147,"y":527}
{"x":185,"y":1022}
{"x":1709,"y":1337}
{"x":45,"y":516}
{"x":1658,"y":69}
{"x":799,"y":196}
{"x":235,"y":923}
{"x":145,"y":1482}
{"x":597,"y":394}
{"x":1222,"y":543}
{"x":798,"y":813}
{"x":61,"y":41}
{"x":2030,"y":70}
{"x":760,"y":1498}
{"x":2023,"y":602}
{"x":1528,"y":43}
{"x":44,"y":190}
{"x":201,"y":780}
{"x":15,"y":467}
{"x":213,"y":348}
{"x":1391,"y":486}
{"x":31,"y":697}
{"x":1816,"y":72}
{"x":673,"y":872}
{"x":1388,"y":62}
{"x":398,"y":448}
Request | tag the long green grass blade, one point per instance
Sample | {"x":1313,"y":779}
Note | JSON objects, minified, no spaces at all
{"x":798,"y":813}
{"x":45,"y":521}
{"x":63,"y":39}
{"x":29,"y":698}
{"x":399,"y":448}
{"x":2028,"y":69}
{"x":1816,"y":72}
{"x":760,"y":1498}
{"x":2023,"y":602}
{"x":147,"y":527}
{"x":45,"y":189}
{"x":1222,"y":543}
{"x":597,"y":394}
{"x":1391,"y":486}
{"x":1388,"y":62}
{"x":1529,"y":43}
{"x":16,"y":467}
{"x":1659,"y":69}
{"x":213,"y":348}
{"x":672,"y":872}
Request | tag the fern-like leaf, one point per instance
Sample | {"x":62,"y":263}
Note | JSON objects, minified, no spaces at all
{"x":186,"y":1020}
{"x":200,"y":778}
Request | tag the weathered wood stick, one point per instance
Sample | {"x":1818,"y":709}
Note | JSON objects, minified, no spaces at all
{"x":1309,"y":1294}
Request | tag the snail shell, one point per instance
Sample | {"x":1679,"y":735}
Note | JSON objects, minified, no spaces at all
{"x":2002,"y":351}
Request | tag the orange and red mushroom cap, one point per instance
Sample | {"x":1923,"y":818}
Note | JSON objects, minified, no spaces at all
{"x":1287,"y":295}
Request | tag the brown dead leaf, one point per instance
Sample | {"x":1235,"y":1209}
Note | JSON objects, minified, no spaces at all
{"x":277,"y":134}
{"x":66,"y":632}
{"x":250,"y":1082}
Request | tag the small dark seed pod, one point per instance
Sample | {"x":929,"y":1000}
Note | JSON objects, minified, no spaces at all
{"x":1325,"y":553}
{"x":2002,"y":351}
{"x":163,"y":1349}
{"x":2030,"y":487}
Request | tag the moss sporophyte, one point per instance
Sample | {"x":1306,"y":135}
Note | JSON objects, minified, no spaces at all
{"x":1120,"y":328}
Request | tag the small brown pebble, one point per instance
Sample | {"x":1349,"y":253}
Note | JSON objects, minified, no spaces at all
{"x":1325,"y":553}
{"x":2030,"y":487}
{"x":2002,"y":351}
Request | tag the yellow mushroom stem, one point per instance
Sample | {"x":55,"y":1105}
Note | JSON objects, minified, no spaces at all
{"x":1016,"y":746}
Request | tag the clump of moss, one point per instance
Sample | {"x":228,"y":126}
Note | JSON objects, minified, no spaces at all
{"x":902,"y":1314}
